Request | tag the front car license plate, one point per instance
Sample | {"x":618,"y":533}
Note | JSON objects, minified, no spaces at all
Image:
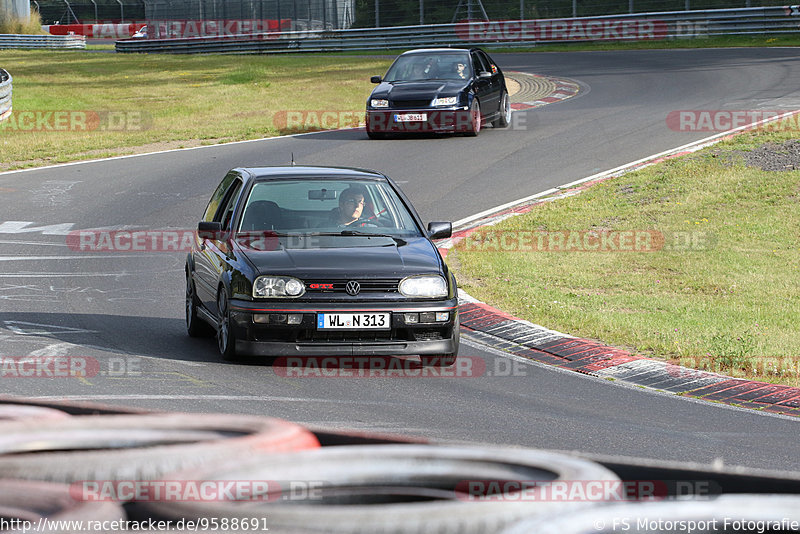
{"x":353,"y":321}
{"x":411,"y":117}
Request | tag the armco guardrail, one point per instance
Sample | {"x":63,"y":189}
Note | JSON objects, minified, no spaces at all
{"x":5,"y":95}
{"x":11,"y":40}
{"x":640,"y":26}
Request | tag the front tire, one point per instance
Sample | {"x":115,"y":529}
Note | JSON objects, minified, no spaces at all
{"x":195,"y":326}
{"x":474,"y":119}
{"x":226,"y":339}
{"x":503,"y":112}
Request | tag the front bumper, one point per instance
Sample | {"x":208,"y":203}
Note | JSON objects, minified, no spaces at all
{"x":305,"y":339}
{"x":436,"y":120}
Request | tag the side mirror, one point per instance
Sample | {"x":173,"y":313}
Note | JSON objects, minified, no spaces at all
{"x":209,"y":230}
{"x":376,"y":79}
{"x":440,"y":230}
{"x":484,"y":74}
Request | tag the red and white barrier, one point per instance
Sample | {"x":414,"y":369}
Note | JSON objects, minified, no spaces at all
{"x":96,"y":31}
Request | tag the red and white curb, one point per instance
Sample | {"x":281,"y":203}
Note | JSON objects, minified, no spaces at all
{"x":564,"y":89}
{"x":523,"y":338}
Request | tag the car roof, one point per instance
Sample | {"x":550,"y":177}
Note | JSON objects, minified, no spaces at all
{"x":437,"y":51}
{"x":308,"y":171}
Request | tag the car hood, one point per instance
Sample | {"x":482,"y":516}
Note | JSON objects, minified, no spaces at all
{"x":347,"y":257}
{"x":418,"y":90}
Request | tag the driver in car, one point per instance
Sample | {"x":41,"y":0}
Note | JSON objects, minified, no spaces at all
{"x":351,"y":208}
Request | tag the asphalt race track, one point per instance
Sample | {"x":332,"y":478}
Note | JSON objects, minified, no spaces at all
{"x":125,"y":311}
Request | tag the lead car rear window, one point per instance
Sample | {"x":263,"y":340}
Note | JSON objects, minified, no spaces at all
{"x":307,"y":206}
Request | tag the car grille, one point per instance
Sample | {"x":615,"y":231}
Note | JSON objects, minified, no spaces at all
{"x":348,"y":337}
{"x":429,"y":335}
{"x":404,"y":104}
{"x":367,"y":286}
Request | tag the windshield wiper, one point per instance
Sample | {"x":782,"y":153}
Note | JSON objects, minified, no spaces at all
{"x":261,"y":234}
{"x":357,"y":233}
{"x":396,"y":239}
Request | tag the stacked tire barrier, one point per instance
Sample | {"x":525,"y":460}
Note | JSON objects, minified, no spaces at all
{"x":23,"y":500}
{"x":389,"y":489}
{"x":5,"y":95}
{"x":68,"y":465}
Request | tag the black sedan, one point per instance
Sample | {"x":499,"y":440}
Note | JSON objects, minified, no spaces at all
{"x":438,"y":90}
{"x":320,"y":261}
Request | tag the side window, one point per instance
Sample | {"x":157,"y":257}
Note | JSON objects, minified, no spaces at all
{"x":225,"y":215}
{"x":478,"y":64}
{"x":489,"y":63}
{"x":217,"y":197}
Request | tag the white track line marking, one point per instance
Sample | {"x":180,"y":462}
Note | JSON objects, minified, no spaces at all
{"x":237,"y":398}
{"x":689,"y":147}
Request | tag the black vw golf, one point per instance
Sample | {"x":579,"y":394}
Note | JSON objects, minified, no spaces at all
{"x":438,"y":90}
{"x":313,"y":261}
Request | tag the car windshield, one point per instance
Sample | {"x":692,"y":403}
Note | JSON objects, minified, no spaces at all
{"x":419,"y":67}
{"x":339,"y":207}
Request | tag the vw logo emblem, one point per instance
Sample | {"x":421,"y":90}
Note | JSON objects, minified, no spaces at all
{"x":352,"y":288}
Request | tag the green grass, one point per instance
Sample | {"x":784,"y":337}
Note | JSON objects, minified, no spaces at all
{"x":174,"y":100}
{"x":722,"y":294}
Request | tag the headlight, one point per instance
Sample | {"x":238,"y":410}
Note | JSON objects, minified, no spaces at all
{"x":428,"y":286}
{"x":379,"y":103}
{"x":445,"y":101}
{"x":277,"y":286}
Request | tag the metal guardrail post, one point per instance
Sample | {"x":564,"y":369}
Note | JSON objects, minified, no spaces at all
{"x":5,"y":95}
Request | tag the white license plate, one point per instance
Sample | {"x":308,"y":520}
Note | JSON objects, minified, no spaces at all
{"x":411,"y":117}
{"x":354,"y":321}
